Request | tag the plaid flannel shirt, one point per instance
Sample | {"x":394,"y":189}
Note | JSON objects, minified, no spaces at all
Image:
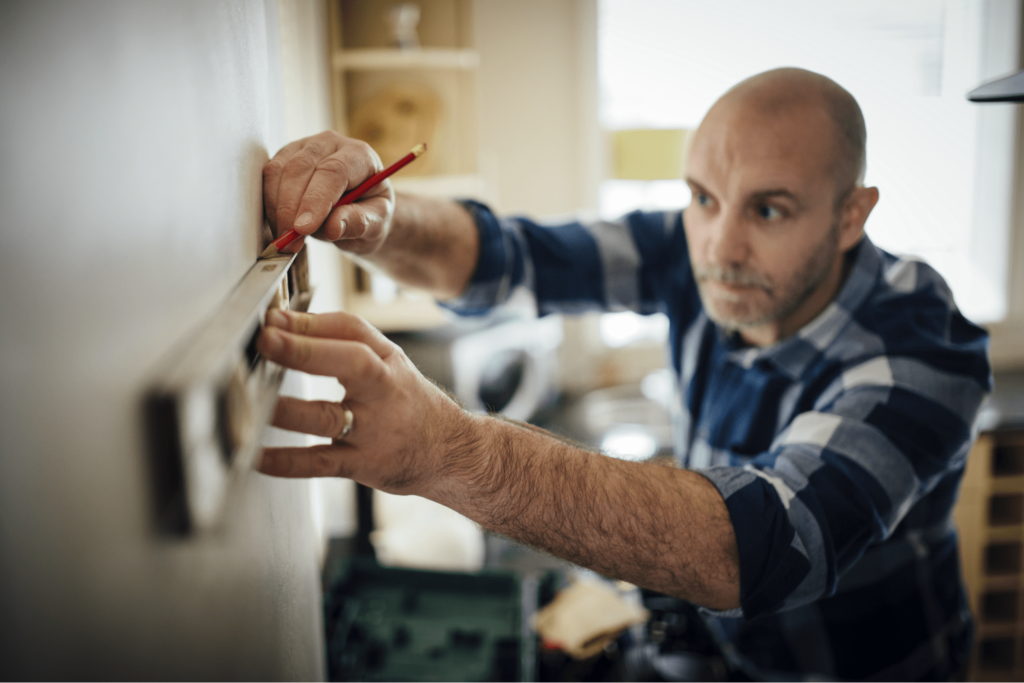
{"x":838,"y":451}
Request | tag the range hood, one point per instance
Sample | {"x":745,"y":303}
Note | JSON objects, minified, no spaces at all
{"x":1006,"y":89}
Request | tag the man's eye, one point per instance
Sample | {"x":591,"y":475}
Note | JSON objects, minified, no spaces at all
{"x":768,"y":213}
{"x":702,"y":199}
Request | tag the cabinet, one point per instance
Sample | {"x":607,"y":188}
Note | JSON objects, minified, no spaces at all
{"x":990,"y":521}
{"x":396,"y":97}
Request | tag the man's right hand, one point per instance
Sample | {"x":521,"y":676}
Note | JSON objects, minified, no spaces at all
{"x":304,"y":180}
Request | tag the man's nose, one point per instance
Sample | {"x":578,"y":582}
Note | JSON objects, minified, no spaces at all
{"x":728,"y":243}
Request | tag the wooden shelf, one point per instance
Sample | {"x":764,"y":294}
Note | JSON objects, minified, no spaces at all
{"x":382,"y":94}
{"x":990,"y":523}
{"x":370,"y":59}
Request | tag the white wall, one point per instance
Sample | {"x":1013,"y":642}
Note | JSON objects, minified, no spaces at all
{"x":1007,"y":349}
{"x":132,"y":137}
{"x":541,"y":151}
{"x":1007,"y":340}
{"x":305,"y":63}
{"x":538,"y":104}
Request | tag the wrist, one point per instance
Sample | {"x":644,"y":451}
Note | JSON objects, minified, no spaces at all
{"x":466,"y":457}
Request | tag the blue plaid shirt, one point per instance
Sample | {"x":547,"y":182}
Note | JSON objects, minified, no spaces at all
{"x":838,"y":451}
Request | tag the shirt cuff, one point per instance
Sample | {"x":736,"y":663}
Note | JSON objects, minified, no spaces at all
{"x":489,"y":285}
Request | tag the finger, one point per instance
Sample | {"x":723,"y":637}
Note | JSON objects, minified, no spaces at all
{"x":272,"y":171}
{"x":319,"y":418}
{"x":325,"y":460}
{"x":362,"y":220}
{"x":337,"y":325}
{"x":295,"y":176}
{"x":332,"y":177}
{"x":354,"y":364}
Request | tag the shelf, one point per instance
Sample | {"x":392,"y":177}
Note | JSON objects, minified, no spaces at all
{"x":368,"y":59}
{"x":371,"y":83}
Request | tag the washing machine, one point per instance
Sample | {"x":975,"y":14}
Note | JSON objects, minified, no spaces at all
{"x":505,"y":365}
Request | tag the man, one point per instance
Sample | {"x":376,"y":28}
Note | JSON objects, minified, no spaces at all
{"x":828,"y":389}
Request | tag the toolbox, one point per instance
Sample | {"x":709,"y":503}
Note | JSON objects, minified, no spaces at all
{"x":394,"y":624}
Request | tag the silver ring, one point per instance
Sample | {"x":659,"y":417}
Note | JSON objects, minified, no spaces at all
{"x":347,"y":429}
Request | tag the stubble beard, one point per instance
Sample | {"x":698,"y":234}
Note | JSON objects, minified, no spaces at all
{"x":781,"y":300}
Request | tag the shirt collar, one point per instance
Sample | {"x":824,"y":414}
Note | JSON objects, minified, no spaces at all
{"x":793,"y":355}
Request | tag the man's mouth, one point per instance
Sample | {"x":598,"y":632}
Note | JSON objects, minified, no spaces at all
{"x":729,"y":286}
{"x":730,"y":278}
{"x":732,"y":285}
{"x":728,"y":291}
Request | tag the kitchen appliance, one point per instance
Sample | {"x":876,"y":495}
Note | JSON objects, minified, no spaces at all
{"x":501,"y":365}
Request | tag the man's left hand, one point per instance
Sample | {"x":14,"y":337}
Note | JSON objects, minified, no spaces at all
{"x":404,"y":431}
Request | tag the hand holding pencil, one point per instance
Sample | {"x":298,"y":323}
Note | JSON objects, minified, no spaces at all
{"x":302,"y":184}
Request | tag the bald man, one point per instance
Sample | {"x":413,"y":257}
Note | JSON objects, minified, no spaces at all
{"x":828,"y":390}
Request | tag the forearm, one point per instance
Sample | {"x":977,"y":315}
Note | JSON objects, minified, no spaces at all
{"x":432,"y":245}
{"x":658,"y":527}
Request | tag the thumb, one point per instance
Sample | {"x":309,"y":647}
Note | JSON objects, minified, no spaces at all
{"x":360,"y":226}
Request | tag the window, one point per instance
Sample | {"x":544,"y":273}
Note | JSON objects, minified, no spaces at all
{"x":943,"y":165}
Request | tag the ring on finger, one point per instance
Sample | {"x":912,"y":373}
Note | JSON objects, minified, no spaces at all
{"x":347,"y":428}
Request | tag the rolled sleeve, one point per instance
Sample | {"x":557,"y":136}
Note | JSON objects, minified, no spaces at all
{"x":638,"y":263}
{"x":840,"y":479}
{"x":500,"y":265}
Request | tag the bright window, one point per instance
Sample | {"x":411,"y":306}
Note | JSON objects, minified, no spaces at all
{"x":942,"y":164}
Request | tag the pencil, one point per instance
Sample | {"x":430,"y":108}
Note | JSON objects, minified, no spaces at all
{"x":347,"y":198}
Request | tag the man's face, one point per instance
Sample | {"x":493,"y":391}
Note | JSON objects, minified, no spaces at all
{"x":762,"y":226}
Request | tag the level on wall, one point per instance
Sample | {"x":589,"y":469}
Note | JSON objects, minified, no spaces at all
{"x":208,"y":406}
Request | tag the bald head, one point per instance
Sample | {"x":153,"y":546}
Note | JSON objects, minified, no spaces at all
{"x":803,"y":95}
{"x":775,"y":172}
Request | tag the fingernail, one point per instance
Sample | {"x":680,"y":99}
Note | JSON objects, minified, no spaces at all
{"x":304,"y":219}
{"x":341,"y":229}
{"x":277,"y":318}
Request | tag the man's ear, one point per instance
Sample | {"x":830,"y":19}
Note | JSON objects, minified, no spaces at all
{"x":853,"y":214}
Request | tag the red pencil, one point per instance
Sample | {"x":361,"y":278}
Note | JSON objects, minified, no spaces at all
{"x":347,"y":198}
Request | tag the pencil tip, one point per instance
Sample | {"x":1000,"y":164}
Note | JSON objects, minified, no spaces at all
{"x":269,"y":252}
{"x":419,"y":149}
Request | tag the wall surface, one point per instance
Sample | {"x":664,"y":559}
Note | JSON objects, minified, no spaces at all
{"x":1007,"y":340}
{"x":132,"y":137}
{"x":540,"y":145}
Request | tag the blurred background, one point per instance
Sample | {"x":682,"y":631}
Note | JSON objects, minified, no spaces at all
{"x":132,"y":140}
